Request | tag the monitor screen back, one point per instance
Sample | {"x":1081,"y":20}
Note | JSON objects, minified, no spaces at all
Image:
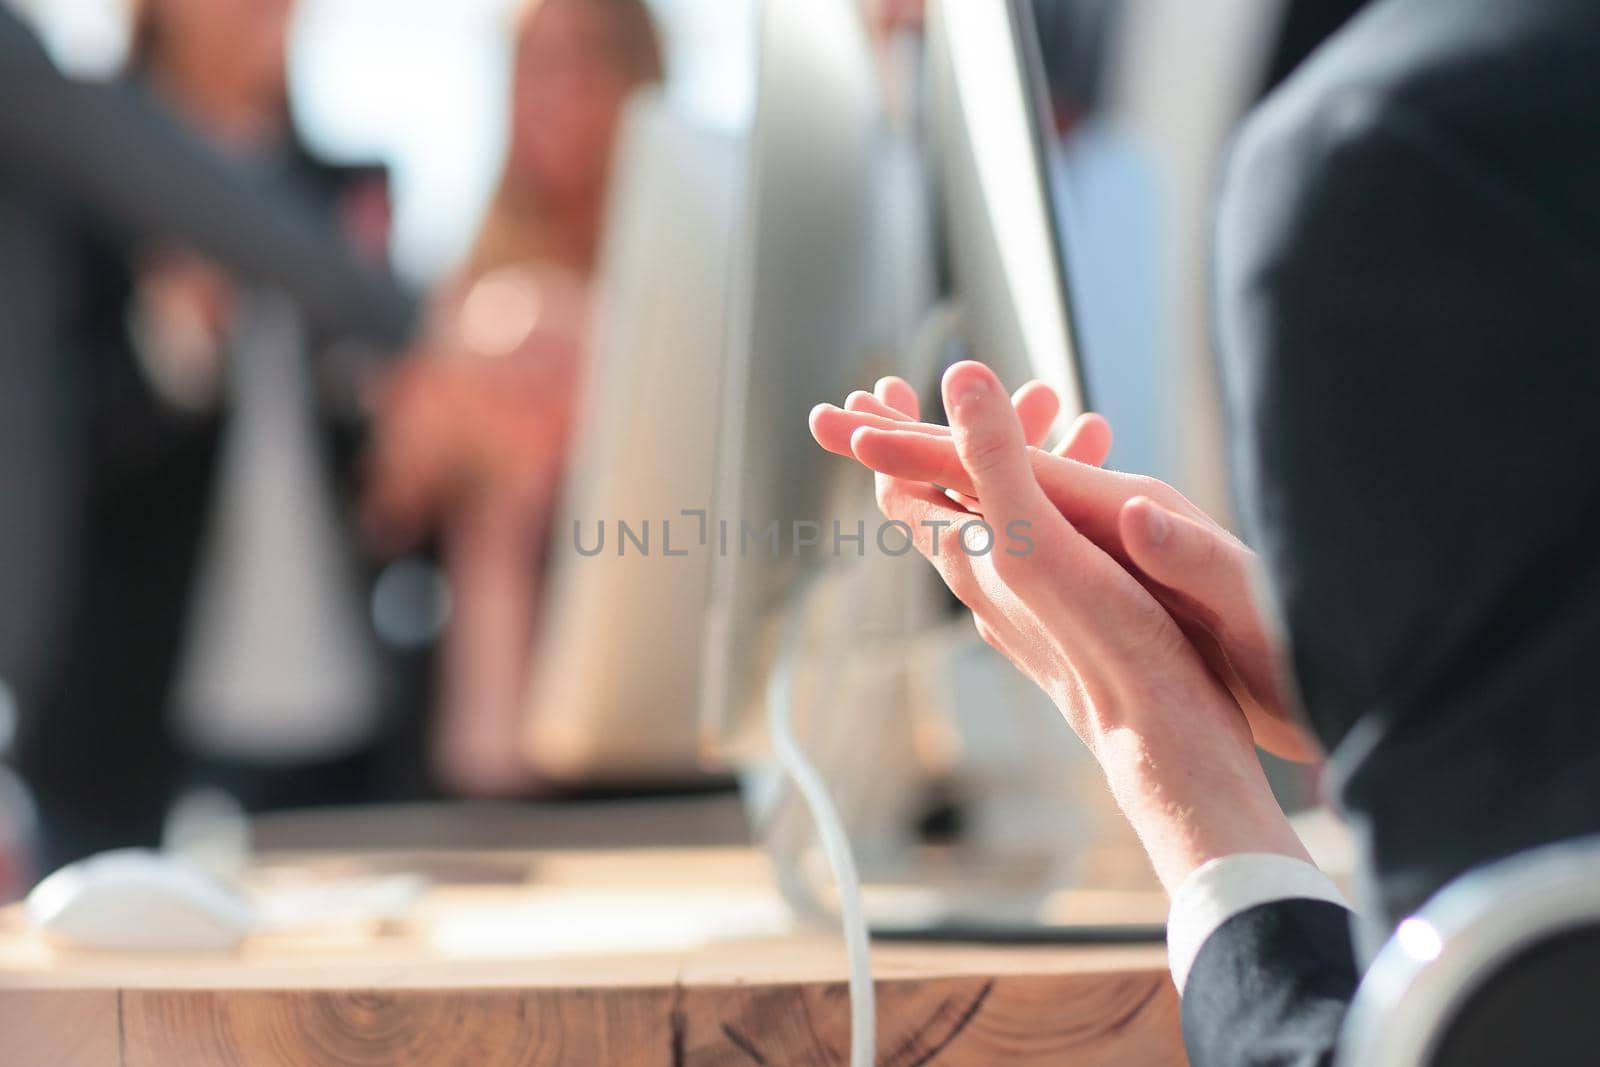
{"x":831,"y":276}
{"x":616,"y":692}
{"x":988,"y":123}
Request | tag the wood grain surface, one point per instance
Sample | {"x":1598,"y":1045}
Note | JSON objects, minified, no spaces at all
{"x":411,"y":997}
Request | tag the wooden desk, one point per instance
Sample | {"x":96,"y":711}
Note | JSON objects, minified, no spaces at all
{"x":671,"y":958}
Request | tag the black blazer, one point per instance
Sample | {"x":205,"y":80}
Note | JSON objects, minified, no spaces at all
{"x":1408,"y":311}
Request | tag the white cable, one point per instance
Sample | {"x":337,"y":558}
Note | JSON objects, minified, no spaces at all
{"x":938,"y":328}
{"x":835,"y":845}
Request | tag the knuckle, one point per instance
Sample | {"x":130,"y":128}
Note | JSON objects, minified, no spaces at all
{"x":1146,"y":486}
{"x":984,"y":451}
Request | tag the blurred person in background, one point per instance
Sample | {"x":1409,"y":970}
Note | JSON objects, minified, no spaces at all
{"x":474,"y":441}
{"x":285,"y":695}
{"x":210,"y":599}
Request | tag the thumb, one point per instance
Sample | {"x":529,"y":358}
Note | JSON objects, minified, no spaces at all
{"x":1197,"y":560}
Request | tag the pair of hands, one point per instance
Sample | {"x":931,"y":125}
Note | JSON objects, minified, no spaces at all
{"x":1132,"y":609}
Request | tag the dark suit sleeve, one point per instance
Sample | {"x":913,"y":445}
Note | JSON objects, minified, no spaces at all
{"x":1408,"y":317}
{"x":137,"y":172}
{"x":1409,"y":320}
{"x":1270,"y":987}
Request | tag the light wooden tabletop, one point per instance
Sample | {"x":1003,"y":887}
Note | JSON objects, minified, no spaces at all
{"x":671,"y":957}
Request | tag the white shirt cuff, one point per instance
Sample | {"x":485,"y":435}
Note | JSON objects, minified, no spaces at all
{"x":1225,"y":887}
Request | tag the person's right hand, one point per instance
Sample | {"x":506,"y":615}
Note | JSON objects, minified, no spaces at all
{"x":1200,"y":573}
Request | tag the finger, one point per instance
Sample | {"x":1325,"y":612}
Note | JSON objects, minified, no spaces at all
{"x":893,"y":397}
{"x":1060,"y":575}
{"x":914,"y":456}
{"x":962,"y":500}
{"x":832,"y":427}
{"x":1036,"y":403}
{"x":1089,"y":497}
{"x":989,"y":439}
{"x":859,"y":401}
{"x":934,"y":527}
{"x":1088,"y":440}
{"x":1204,"y":574}
{"x":929,"y":514}
{"x":898,"y":394}
{"x":1037,"y":407}
{"x":1200,"y":561}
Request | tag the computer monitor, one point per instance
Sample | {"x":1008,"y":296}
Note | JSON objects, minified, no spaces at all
{"x":832,"y":273}
{"x":835,"y":278}
{"x":838,"y":281}
{"x":615,"y":695}
{"x":989,"y":118}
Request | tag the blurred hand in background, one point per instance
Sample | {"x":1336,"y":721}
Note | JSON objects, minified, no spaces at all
{"x":472,"y":436}
{"x":182,"y":315}
{"x":480,"y":416}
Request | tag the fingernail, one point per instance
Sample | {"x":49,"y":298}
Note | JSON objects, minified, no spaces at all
{"x":1156,"y":526}
{"x":972,"y":392}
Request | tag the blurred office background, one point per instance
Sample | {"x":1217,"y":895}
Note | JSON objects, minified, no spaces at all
{"x":1155,"y":87}
{"x":423,"y":86}
{"x":1145,"y":92}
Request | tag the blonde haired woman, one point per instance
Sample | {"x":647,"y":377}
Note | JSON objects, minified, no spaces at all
{"x":478,"y":438}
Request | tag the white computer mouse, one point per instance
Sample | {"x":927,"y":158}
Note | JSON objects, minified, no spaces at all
{"x":135,"y":899}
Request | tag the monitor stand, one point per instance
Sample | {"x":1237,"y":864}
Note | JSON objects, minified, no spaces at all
{"x":973,"y":812}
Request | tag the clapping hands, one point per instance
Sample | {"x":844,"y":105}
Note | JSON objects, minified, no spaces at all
{"x":1125,"y":603}
{"x":1199,"y":572}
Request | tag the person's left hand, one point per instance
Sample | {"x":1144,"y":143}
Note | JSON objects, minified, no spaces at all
{"x":1175,"y":746}
{"x":1196,"y":569}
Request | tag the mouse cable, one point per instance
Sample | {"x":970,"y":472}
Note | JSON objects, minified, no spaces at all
{"x":835,"y":843}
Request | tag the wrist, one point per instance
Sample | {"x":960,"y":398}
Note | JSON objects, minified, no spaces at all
{"x":1193,"y":800}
